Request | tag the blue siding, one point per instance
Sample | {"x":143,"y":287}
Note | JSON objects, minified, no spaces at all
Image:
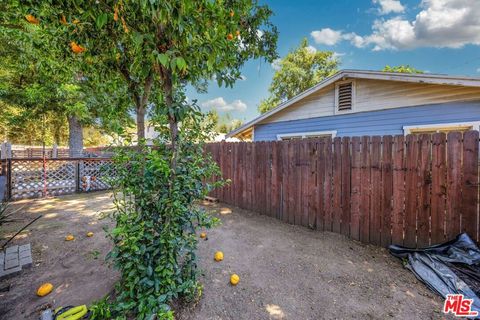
{"x":382,"y":122}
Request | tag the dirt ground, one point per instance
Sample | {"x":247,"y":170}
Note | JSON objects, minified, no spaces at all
{"x":286,"y":272}
{"x":77,"y":269}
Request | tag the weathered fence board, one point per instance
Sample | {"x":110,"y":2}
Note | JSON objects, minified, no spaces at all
{"x":415,"y":190}
{"x":439,"y":188}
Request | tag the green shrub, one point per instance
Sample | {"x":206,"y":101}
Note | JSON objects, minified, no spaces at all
{"x":156,"y":221}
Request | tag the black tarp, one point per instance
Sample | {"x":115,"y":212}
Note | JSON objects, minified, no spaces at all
{"x":452,"y":267}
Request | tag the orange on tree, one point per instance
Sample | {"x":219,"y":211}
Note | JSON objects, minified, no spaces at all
{"x":115,"y":13}
{"x":237,"y":33}
{"x":76,"y":48}
{"x":31,"y":19}
{"x":230,"y":36}
{"x":63,"y":19}
{"x":232,"y":13}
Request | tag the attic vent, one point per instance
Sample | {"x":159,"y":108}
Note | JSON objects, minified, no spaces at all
{"x":345,"y":96}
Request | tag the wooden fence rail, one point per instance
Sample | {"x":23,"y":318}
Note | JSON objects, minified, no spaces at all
{"x":413,"y":190}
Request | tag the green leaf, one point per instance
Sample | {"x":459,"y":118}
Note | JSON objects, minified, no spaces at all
{"x":181,"y":63}
{"x":162,"y":59}
{"x":101,"y":20}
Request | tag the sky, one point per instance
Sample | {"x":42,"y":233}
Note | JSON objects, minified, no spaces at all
{"x":437,"y":36}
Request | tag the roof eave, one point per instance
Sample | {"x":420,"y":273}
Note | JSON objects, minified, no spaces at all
{"x":364,"y":74}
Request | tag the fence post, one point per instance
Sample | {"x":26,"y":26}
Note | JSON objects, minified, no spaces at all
{"x":3,"y":158}
{"x":9,"y":179}
{"x":5,"y":151}
{"x":55,"y":151}
{"x":77,"y":176}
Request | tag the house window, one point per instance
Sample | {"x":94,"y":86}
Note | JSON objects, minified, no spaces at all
{"x":441,"y":127}
{"x":344,"y":96}
{"x":304,"y":135}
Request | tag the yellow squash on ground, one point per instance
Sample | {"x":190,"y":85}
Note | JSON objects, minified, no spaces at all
{"x":74,"y":313}
{"x":44,"y":289}
{"x":218,"y":256}
{"x":89,"y":234}
{"x":69,"y":238}
{"x":234,"y":279}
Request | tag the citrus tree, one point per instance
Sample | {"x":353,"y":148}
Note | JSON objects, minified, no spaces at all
{"x":46,"y":81}
{"x":155,"y":48}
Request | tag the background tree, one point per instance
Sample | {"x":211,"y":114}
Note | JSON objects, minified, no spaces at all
{"x":222,"y":124}
{"x":299,"y":70}
{"x":41,"y":76}
{"x":401,"y":69}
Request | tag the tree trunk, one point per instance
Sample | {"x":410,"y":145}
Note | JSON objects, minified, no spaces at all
{"x":75,"y":137}
{"x":173,"y":123}
{"x":140,"y":121}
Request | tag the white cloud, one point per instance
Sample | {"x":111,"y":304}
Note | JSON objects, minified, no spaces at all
{"x":389,"y":6}
{"x":276,"y":64}
{"x":311,"y":49}
{"x":326,"y":36}
{"x":221,"y":105}
{"x":440,"y":24}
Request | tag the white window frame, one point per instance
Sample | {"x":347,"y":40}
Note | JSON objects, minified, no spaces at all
{"x":337,"y":85}
{"x":474,"y":124}
{"x":304,"y":135}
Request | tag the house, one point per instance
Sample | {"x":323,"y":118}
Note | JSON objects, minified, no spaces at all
{"x":358,"y":102}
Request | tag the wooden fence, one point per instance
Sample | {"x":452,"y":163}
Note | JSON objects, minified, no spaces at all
{"x":414,"y":190}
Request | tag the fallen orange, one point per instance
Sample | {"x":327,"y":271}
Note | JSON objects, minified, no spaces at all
{"x":234,"y":279}
{"x":44,"y":289}
{"x":218,"y":256}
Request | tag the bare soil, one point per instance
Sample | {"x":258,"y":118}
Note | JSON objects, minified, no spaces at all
{"x":291,"y":272}
{"x":77,"y":269}
{"x":286,"y":272}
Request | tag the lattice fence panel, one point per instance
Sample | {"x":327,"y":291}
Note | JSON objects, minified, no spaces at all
{"x":30,"y":180}
{"x":96,"y":174}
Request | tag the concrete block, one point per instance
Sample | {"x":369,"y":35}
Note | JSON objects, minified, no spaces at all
{"x":23,"y":254}
{"x":11,"y":256}
{"x":11,"y":249}
{"x":9,"y":272}
{"x":24,"y":247}
{"x":2,"y":259}
{"x":26,"y":262}
{"x":12,"y":263}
